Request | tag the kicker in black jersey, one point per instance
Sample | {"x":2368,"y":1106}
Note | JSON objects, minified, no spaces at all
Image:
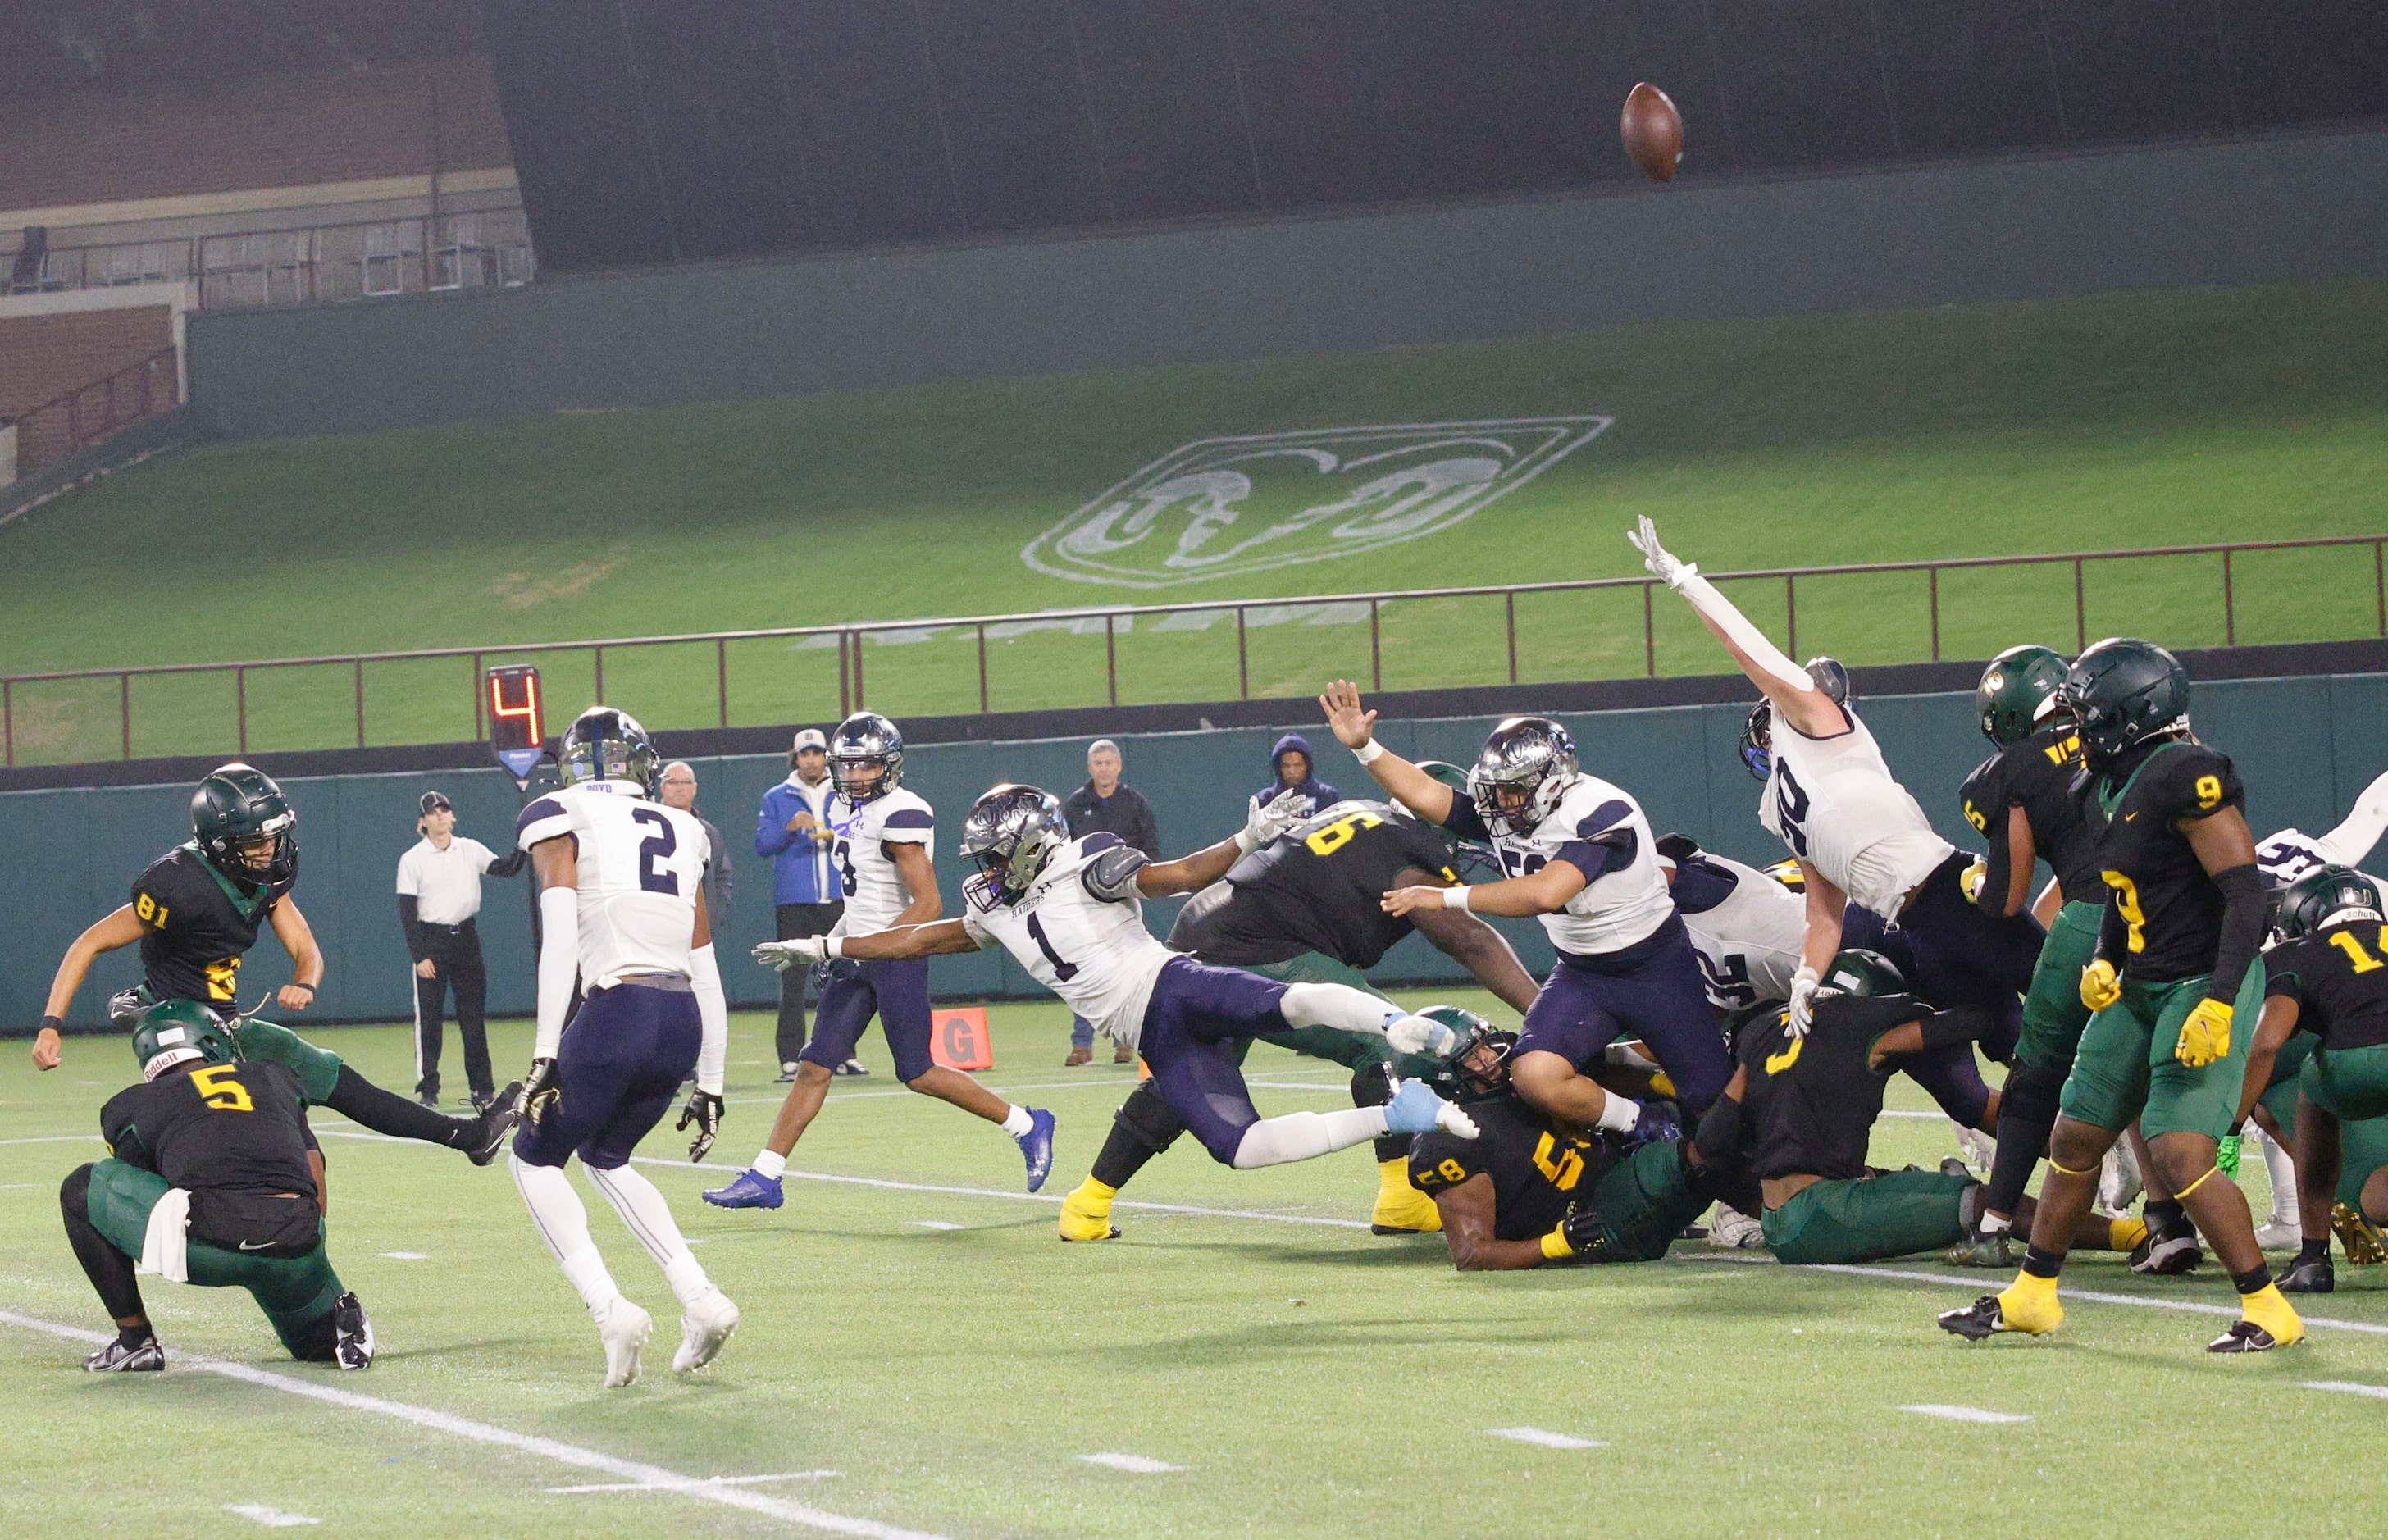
{"x":196,"y":924}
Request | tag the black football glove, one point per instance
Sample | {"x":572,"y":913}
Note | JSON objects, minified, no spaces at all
{"x":703,"y":1109}
{"x":540,"y":1093}
{"x":1588,"y":1234}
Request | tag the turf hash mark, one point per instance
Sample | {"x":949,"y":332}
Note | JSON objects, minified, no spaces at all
{"x":1141,"y":1465}
{"x":1963,"y":1414}
{"x":1545,"y":1438}
{"x":272,"y":1518}
{"x":2347,"y":1387}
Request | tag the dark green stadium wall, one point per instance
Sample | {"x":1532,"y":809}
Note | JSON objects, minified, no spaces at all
{"x":2307,"y":746}
{"x":2288,"y":207}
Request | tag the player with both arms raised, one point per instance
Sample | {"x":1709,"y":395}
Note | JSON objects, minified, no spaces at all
{"x":621,"y":906}
{"x":1070,"y":912}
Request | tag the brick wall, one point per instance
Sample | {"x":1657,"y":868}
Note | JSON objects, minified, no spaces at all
{"x":276,"y":132}
{"x":43,"y":357}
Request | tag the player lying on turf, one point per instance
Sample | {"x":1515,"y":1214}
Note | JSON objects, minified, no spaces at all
{"x":2176,"y":966}
{"x":212,"y":1178}
{"x":1305,"y":907}
{"x":1801,"y":1112}
{"x":197,"y":910}
{"x":621,"y":907}
{"x":883,"y":850}
{"x":1861,"y":838}
{"x":1580,"y":858}
{"x":1527,"y":1191}
{"x":1068,"y":910}
{"x":2326,"y":983}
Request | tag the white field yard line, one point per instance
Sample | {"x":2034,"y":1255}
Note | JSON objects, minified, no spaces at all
{"x":1118,"y":1084}
{"x":466,"y":1428}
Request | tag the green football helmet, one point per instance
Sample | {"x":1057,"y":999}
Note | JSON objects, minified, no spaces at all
{"x":1475,"y":1033}
{"x":233,"y":811}
{"x":1860,"y":972}
{"x":2322,"y":895}
{"x":2015,"y":690}
{"x":1462,"y":852}
{"x":174,"y":1030}
{"x":2125,"y":692}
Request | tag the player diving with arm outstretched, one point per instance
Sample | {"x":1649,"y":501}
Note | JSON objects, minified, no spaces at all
{"x":1069,"y":911}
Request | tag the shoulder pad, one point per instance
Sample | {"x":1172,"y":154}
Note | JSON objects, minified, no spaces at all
{"x":543,"y":820}
{"x":1109,"y":874}
{"x":1605,"y":818}
{"x":2194,"y":781}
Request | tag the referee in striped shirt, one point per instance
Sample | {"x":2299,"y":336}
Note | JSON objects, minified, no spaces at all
{"x":438,"y":894}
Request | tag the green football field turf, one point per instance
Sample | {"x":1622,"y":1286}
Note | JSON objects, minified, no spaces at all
{"x":920,"y":1354}
{"x":2122,"y":420}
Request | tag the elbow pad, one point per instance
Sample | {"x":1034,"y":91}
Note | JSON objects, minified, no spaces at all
{"x":713,"y":1017}
{"x":559,"y":964}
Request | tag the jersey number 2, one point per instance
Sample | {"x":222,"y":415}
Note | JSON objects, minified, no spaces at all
{"x":656,"y":846}
{"x":1061,"y":970}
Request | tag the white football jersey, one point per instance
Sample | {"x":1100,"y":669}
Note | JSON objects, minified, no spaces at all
{"x":642,"y":865}
{"x":1750,"y":942}
{"x":875,"y":894}
{"x":1090,"y":948}
{"x":1833,"y":801}
{"x":1622,"y":906}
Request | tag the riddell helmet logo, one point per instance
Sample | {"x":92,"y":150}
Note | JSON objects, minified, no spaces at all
{"x":1223,"y":508}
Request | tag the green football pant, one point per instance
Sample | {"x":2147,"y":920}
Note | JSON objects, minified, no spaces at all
{"x":318,"y":1069}
{"x":2053,"y":1016}
{"x":296,"y":1293}
{"x":2363,"y":1143}
{"x":1867,"y":1219}
{"x":1644,"y":1203}
{"x":2127,"y":1070}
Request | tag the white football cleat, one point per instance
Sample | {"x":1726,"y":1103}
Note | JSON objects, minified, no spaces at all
{"x":625,"y":1328}
{"x":705,"y":1324}
{"x":1732,"y":1231}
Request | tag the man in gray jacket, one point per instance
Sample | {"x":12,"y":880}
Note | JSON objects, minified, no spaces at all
{"x":679,"y":791}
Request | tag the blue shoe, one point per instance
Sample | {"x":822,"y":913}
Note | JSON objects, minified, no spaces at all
{"x":1659,"y":1122}
{"x":751,"y":1189}
{"x":1037,"y":1145}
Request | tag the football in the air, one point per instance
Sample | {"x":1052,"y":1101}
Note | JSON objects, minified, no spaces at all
{"x":1653,"y":132}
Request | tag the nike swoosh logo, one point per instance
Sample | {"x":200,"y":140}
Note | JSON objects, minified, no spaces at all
{"x":2128,"y":817}
{"x":247,"y":1247}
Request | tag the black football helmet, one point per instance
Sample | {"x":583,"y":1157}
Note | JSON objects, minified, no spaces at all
{"x":863,"y":742}
{"x":2125,"y":692}
{"x":1531,"y":759}
{"x":1757,"y":734}
{"x":2323,"y":894}
{"x":605,"y":744}
{"x":1009,"y":834}
{"x":244,"y":825}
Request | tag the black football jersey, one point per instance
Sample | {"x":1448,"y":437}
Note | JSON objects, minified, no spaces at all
{"x":2171,"y":907}
{"x":2035,"y":774}
{"x":2339,"y":978}
{"x":195,"y":925}
{"x":237,"y":1127}
{"x":1319,"y":886}
{"x":1538,"y":1176}
{"x":1811,"y":1103}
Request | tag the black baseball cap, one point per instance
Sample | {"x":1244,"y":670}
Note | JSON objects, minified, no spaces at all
{"x":435,"y":802}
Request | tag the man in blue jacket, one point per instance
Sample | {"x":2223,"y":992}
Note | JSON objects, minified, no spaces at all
{"x":1295,"y":769}
{"x":807,"y":894}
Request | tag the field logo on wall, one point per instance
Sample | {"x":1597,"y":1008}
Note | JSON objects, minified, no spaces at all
{"x":1223,"y":508}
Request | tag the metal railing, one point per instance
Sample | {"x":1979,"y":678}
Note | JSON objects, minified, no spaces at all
{"x":355,"y":259}
{"x":88,"y":414}
{"x":1117,"y":621}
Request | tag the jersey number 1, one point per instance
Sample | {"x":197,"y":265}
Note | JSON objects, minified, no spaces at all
{"x":1061,"y":970}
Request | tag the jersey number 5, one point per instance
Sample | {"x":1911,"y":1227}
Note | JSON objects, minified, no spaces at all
{"x":657,"y":847}
{"x":220,"y":1091}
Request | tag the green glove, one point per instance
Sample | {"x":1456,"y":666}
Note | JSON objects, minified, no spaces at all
{"x":2225,"y":1155}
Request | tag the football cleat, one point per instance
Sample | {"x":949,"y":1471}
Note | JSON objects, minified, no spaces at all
{"x":2244,"y":1336}
{"x":1984,"y":1249}
{"x":625,"y":1328}
{"x":1976,"y":1321}
{"x":1037,"y":1147}
{"x":1084,"y":1218}
{"x":1409,"y":1213}
{"x":2279,"y":1236}
{"x":492,"y":1124}
{"x":2169,"y":1253}
{"x":749,"y":1189}
{"x":1657,"y":1123}
{"x":852,"y":1066}
{"x":2011,"y":1311}
{"x":2366,"y":1247}
{"x":1974,"y":1148}
{"x":705,"y":1324}
{"x":2317,"y":1276}
{"x":352,"y":1335}
{"x":143,"y":1357}
{"x":1735,"y":1231}
{"x":2118,"y":1180}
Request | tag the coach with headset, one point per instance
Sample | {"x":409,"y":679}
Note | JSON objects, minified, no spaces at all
{"x":438,"y":894}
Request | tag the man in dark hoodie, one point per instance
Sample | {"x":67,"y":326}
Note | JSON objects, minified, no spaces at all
{"x":1291,"y":762}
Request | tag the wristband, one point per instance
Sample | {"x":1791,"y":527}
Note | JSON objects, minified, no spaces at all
{"x":1369,"y":752}
{"x":296,"y":984}
{"x":1555,"y":1247}
{"x":1455,"y":897}
{"x":53,"y":1024}
{"x":832,"y":947}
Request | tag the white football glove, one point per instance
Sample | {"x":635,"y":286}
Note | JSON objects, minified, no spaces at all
{"x":1662,"y":564}
{"x":802,"y":953}
{"x":1803,"y":999}
{"x":1420,"y":1035}
{"x":1273,"y":818}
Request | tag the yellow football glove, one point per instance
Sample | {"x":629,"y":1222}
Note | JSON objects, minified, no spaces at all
{"x":2206,"y":1036}
{"x":1971,"y":880}
{"x":2100,"y":987}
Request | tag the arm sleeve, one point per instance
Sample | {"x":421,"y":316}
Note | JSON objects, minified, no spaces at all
{"x":713,"y":1019}
{"x":1464,"y":821}
{"x":1998,"y":867}
{"x":507,"y":865}
{"x":2243,"y":930}
{"x":410,"y":923}
{"x":1719,"y":1141}
{"x":1705,"y":598}
{"x":2353,"y":840}
{"x":1964,"y":1024}
{"x":559,"y":964}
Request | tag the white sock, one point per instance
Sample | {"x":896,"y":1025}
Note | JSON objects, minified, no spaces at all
{"x":1017,"y":1123}
{"x":1619,"y":1113}
{"x":772,"y":1164}
{"x":649,"y":1218}
{"x":1993,"y":1224}
{"x":1300,"y":1136}
{"x":1337,"y":1005}
{"x":564,"y":1225}
{"x":2282,"y":1170}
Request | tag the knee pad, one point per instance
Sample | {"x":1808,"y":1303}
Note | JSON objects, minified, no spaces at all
{"x":1146,"y":1118}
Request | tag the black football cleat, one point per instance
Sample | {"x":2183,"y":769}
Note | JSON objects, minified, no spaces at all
{"x":1976,"y":1321}
{"x":352,"y":1335}
{"x":492,"y":1124}
{"x":2244,"y":1336}
{"x":143,"y":1357}
{"x":2168,"y":1253}
{"x":2317,"y":1276}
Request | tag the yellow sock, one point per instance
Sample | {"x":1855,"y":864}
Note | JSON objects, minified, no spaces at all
{"x":1393,"y":1178}
{"x":2122,"y":1235}
{"x":1094,"y":1196}
{"x":2029,"y":1286}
